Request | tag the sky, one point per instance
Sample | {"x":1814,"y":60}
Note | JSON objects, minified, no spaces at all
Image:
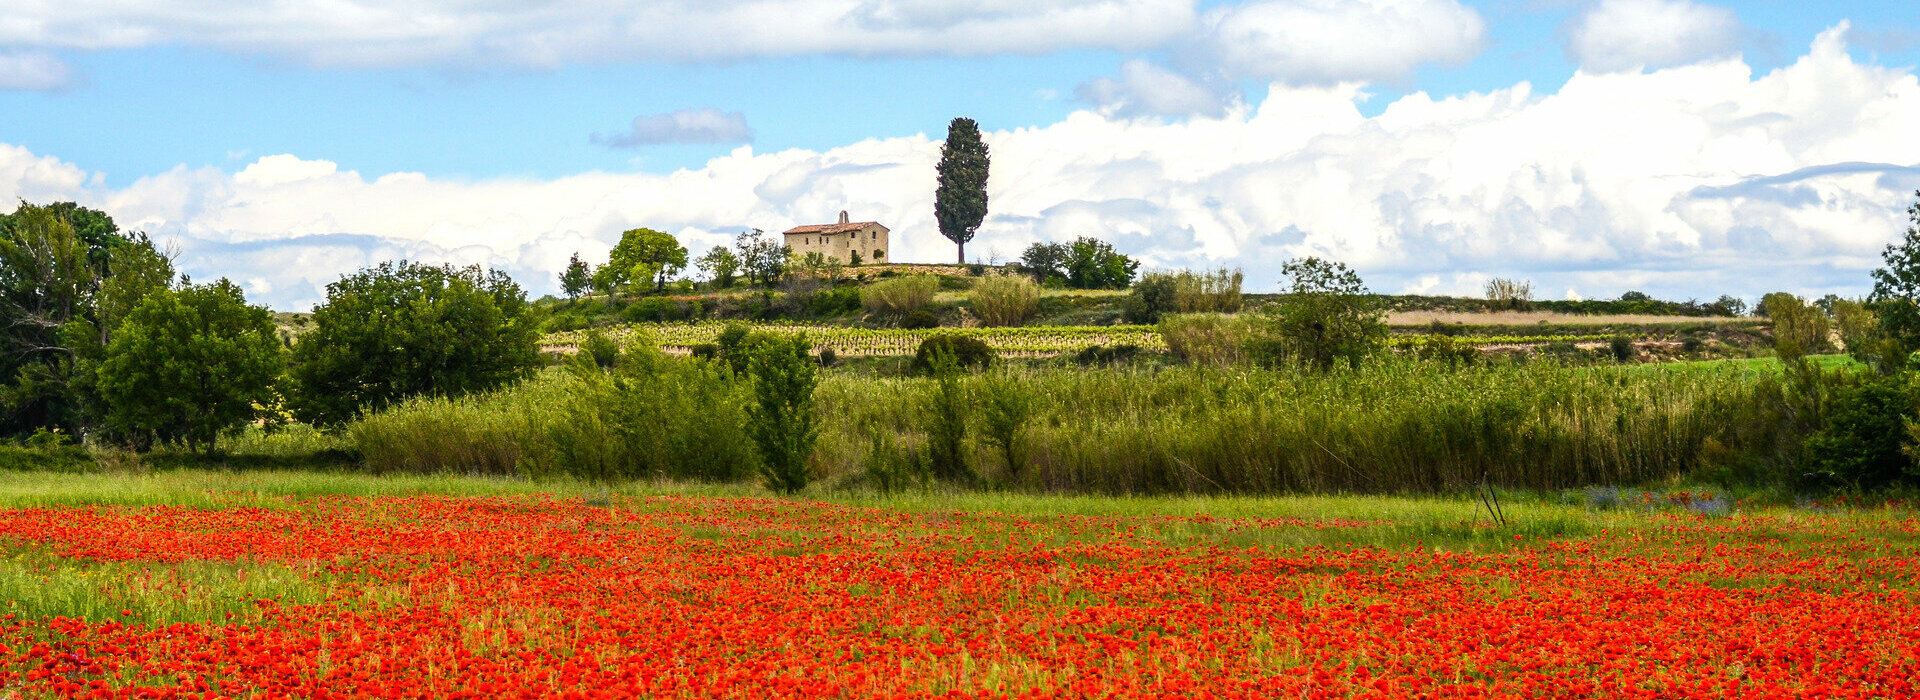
{"x":1683,"y":149}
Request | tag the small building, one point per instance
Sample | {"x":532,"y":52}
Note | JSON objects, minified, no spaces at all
{"x":841,"y":241}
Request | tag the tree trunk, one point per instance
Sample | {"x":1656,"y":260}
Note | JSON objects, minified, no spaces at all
{"x":963,"y":252}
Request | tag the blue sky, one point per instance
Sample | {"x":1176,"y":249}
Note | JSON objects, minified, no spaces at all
{"x":257,"y":139}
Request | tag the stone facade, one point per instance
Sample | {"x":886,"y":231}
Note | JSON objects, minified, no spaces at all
{"x":840,"y":241}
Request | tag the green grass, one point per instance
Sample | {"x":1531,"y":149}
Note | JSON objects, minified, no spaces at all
{"x":37,"y":585}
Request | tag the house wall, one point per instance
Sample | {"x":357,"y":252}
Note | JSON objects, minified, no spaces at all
{"x":867,"y":240}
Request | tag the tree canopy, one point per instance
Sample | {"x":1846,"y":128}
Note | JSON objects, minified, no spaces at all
{"x":1896,"y":287}
{"x":404,"y":329}
{"x":1325,"y":316}
{"x":188,"y":365}
{"x":960,"y":201}
{"x":644,"y":255}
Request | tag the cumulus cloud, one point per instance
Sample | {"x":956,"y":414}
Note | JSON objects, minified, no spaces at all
{"x":707,"y":125}
{"x":1146,"y":89}
{"x":1620,"y":35}
{"x":546,"y":33}
{"x":33,"y":70}
{"x":1690,"y":181}
{"x":1332,"y":41}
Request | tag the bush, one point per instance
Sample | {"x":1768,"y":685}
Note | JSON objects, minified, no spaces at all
{"x":1007,"y":406}
{"x":1205,"y":339}
{"x":657,"y":310}
{"x":900,"y":296}
{"x":1860,"y":447}
{"x":1509,"y":295}
{"x":966,"y":351}
{"x":1184,"y":292}
{"x":738,"y":345}
{"x":781,"y":418}
{"x":398,"y":330}
{"x":602,"y":349}
{"x":1004,"y":300}
{"x":947,"y":407}
{"x":1103,"y":355}
{"x":834,"y":302}
{"x":191,"y":364}
{"x":1799,"y":328}
{"x":828,"y":357}
{"x":1152,"y":297}
{"x":1326,"y":316}
{"x":920,"y":320}
{"x":1621,"y":347}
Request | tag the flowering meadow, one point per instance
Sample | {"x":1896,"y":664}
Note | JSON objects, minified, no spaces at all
{"x":706,"y":596}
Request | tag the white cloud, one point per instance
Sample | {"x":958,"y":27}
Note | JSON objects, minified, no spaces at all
{"x":1146,"y":89}
{"x":33,"y":70}
{"x":1622,"y":35}
{"x":1690,"y":181}
{"x":547,"y":33}
{"x":1332,"y":41}
{"x":706,"y":125}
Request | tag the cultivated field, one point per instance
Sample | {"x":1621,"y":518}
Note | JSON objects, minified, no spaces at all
{"x":312,"y":585}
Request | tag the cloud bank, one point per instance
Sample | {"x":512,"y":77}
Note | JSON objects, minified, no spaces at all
{"x":1687,"y":181}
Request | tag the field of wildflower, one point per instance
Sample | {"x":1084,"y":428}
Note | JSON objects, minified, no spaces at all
{"x":667,"y":595}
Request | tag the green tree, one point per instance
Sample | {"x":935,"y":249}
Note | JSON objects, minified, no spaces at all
{"x":1325,"y":315}
{"x":1007,"y":405}
{"x":947,"y":408}
{"x":1093,"y":264}
{"x":1799,"y":328}
{"x":1045,"y":261}
{"x":960,"y":201}
{"x":191,"y":364}
{"x":719,"y":265}
{"x":644,"y":255}
{"x":781,"y":420}
{"x":762,"y":259}
{"x":1896,"y":289}
{"x":46,"y":285}
{"x":577,"y":278}
{"x":404,"y":329}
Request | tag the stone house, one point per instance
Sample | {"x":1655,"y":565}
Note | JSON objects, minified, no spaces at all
{"x":840,"y":241}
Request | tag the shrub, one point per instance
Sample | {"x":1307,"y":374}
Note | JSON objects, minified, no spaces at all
{"x":706,"y":351}
{"x":738,"y":345}
{"x":947,"y":408}
{"x":1007,"y":405}
{"x":1621,"y":347}
{"x":828,"y":357}
{"x":192,"y":363}
{"x":834,"y":301}
{"x":1509,"y":295}
{"x":1152,"y":297}
{"x":658,"y":310}
{"x":1325,"y":316}
{"x":966,"y":351}
{"x":899,"y":296}
{"x":1184,"y":292}
{"x":920,"y":320}
{"x":1799,"y":328}
{"x":602,"y":349}
{"x":781,"y":418}
{"x":1860,"y":446}
{"x":1103,"y":355}
{"x":889,"y":468}
{"x":1205,"y":339}
{"x":1004,"y":300}
{"x":404,"y":329}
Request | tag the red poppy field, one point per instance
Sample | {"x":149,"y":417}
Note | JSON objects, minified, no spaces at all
{"x":685,"y":597}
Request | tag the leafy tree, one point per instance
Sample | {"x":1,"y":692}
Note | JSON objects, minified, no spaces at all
{"x":719,"y":265}
{"x":404,"y":329}
{"x":1325,"y":316}
{"x":191,"y":364}
{"x":960,"y":202}
{"x":1731,"y":305}
{"x":1094,"y":264}
{"x":644,"y":255}
{"x":1799,"y":328}
{"x":577,"y":278}
{"x":762,"y":258}
{"x":781,"y":420}
{"x":47,"y":283}
{"x":1007,"y":405}
{"x":947,"y":408}
{"x":1896,"y":288}
{"x":1860,"y":446}
{"x":1510,"y":294}
{"x":1045,"y":261}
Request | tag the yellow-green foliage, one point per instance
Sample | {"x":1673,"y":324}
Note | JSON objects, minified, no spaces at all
{"x":1205,"y":339}
{"x":476,"y":434}
{"x":1210,"y":292}
{"x":899,"y":296}
{"x":1004,"y":300}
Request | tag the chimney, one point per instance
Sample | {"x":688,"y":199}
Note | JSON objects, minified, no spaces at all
{"x":843,"y":217}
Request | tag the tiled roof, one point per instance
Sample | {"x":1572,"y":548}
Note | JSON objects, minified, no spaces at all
{"x":830,"y":229}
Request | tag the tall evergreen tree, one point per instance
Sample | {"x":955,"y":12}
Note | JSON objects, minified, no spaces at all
{"x":578,"y":277}
{"x":960,"y":203}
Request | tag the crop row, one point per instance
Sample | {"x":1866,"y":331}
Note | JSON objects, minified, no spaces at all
{"x":1020,"y":339}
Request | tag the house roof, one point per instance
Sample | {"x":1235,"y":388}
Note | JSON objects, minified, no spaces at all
{"x":830,"y":229}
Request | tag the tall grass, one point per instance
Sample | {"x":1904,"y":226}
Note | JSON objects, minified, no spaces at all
{"x":1395,"y":425}
{"x":899,"y":296}
{"x":1004,"y":300}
